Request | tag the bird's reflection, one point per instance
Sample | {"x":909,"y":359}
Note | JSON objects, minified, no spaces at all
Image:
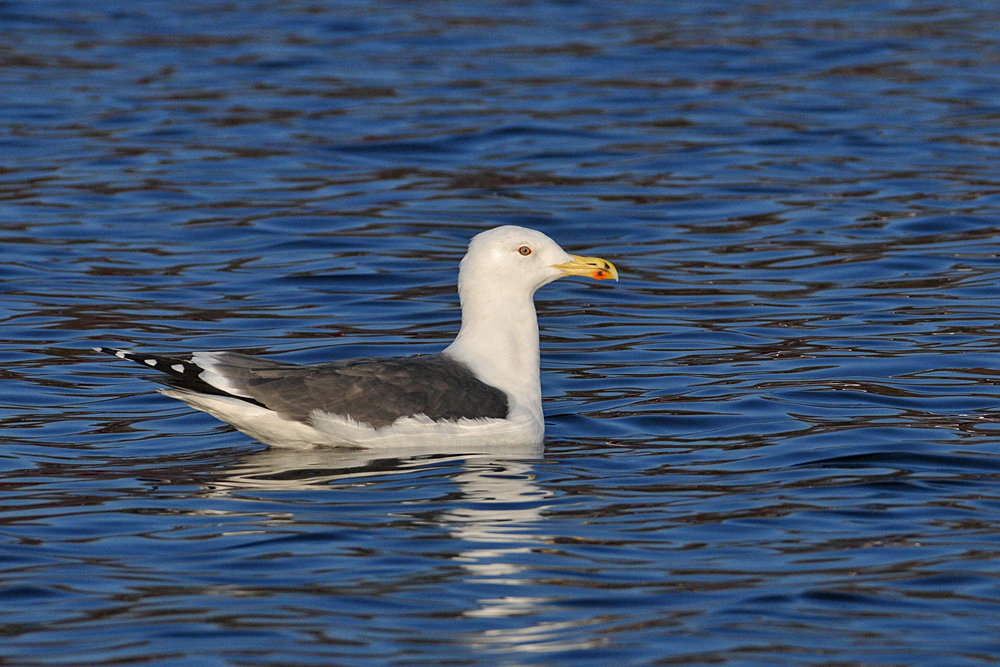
{"x":295,"y":469}
{"x":497,"y":519}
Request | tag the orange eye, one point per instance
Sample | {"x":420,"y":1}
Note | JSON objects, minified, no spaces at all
{"x":524,"y":250}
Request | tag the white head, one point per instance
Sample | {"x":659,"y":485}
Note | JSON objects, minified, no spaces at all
{"x":516,"y":260}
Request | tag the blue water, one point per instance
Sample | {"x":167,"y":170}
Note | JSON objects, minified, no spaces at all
{"x":776,"y":441}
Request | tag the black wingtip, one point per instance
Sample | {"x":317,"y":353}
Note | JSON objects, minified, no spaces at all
{"x":180,"y":372}
{"x":177,"y":367}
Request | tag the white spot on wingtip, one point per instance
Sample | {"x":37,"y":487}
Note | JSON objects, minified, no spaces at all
{"x":178,"y":367}
{"x":150,"y":362}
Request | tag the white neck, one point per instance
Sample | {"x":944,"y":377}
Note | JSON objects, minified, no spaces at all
{"x":499,"y":342}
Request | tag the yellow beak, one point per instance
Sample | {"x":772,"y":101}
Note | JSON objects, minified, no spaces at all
{"x":593,"y":267}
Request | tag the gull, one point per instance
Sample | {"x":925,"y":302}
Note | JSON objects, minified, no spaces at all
{"x":483,"y":389}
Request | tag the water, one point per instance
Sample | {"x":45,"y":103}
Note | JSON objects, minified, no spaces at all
{"x":774,"y":442}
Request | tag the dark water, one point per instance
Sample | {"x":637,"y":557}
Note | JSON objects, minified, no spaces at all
{"x":775,"y":442}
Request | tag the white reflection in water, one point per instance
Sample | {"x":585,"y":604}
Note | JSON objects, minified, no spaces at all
{"x":500,"y":520}
{"x":294,"y":469}
{"x":503,"y":528}
{"x":498,"y":517}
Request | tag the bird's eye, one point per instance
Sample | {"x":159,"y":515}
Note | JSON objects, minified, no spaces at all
{"x":524,"y":250}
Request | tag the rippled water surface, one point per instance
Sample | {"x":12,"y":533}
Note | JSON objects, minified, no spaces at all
{"x":776,"y":441}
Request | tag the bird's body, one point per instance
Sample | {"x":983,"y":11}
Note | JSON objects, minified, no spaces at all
{"x":483,"y":388}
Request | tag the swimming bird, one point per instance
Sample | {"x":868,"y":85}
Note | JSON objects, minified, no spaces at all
{"x":483,"y":388}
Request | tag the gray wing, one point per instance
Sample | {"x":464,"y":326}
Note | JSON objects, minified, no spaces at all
{"x":372,"y":391}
